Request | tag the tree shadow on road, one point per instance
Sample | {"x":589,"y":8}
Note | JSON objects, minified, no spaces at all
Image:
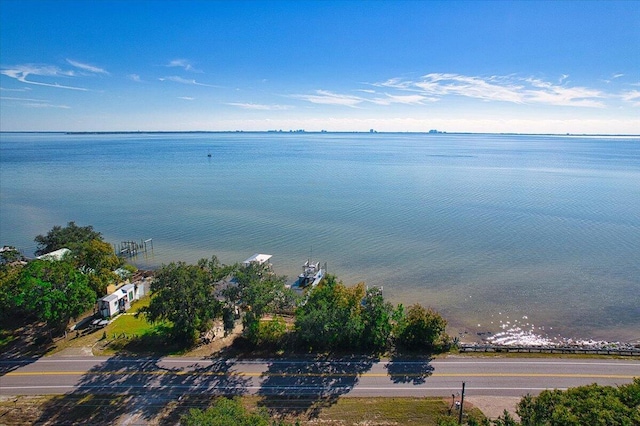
{"x":33,"y":342}
{"x":307,"y":386}
{"x":134,"y":391}
{"x":404,"y":369}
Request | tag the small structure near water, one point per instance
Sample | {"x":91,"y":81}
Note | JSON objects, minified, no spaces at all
{"x":55,"y":255}
{"x":119,"y":301}
{"x":259,"y":259}
{"x":310,"y":277}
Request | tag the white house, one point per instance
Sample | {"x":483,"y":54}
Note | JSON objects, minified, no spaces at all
{"x":118,"y":301}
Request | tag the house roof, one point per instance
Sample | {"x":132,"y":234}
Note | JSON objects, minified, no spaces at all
{"x":257,"y":258}
{"x":110,"y":298}
{"x":125,"y":288}
{"x":55,"y":255}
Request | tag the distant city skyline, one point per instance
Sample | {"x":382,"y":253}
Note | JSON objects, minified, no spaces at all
{"x":474,"y":66}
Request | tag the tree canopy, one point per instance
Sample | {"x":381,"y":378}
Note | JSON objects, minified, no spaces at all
{"x":584,"y":405}
{"x":185,"y":296}
{"x":259,"y":291}
{"x":339,"y":317}
{"x":51,"y":291}
{"x":421,"y":329}
{"x":228,"y":412}
{"x":70,"y":237}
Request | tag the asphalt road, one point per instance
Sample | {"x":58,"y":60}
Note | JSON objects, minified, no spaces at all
{"x":320,"y":377}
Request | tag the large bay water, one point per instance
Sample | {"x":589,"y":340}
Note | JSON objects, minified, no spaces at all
{"x":481,"y":227}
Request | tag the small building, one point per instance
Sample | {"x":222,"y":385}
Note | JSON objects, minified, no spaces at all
{"x":55,"y":255}
{"x":118,"y":301}
{"x":260,"y":259}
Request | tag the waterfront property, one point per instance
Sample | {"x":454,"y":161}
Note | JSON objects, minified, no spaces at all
{"x":55,"y":255}
{"x":481,"y":226}
{"x":120,"y":300}
{"x":310,"y":277}
{"x":258,"y":258}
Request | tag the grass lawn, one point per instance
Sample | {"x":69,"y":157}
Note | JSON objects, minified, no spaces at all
{"x":131,"y":335}
{"x":108,"y":409}
{"x":129,"y":325}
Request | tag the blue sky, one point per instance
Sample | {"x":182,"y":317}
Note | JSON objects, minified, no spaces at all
{"x":475,"y":66}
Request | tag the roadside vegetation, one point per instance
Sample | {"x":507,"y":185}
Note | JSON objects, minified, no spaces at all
{"x":189,"y":302}
{"x":329,"y":318}
{"x":53,"y":291}
{"x":203,"y":410}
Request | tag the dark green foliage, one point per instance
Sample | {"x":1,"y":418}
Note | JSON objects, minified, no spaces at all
{"x":336,"y":317}
{"x":225,"y":412}
{"x":52,"y":291}
{"x":9,"y":289}
{"x":97,"y":259}
{"x":228,"y":319}
{"x":229,"y":412}
{"x":70,"y":237}
{"x":505,"y":419}
{"x":259,"y":291}
{"x":269,"y":332}
{"x":376,"y":316}
{"x":585,"y":405}
{"x":89,"y":253}
{"x":421,"y":329}
{"x":9,"y":255}
{"x":330,"y":318}
{"x":184,"y":295}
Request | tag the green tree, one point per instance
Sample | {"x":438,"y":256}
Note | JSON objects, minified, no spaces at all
{"x":185,"y":296}
{"x":54,"y":292}
{"x":9,"y":289}
{"x":225,"y":412}
{"x":259,"y":291}
{"x":376,"y":317}
{"x":331,"y":317}
{"x":98,"y":260}
{"x":421,"y":329}
{"x":9,"y":255}
{"x":69,"y":237}
{"x":584,"y":405}
{"x":271,"y":332}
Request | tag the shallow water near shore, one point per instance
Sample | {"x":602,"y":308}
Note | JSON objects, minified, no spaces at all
{"x":544,"y":230}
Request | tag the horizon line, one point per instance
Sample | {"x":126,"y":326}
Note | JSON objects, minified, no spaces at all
{"x":372,"y":132}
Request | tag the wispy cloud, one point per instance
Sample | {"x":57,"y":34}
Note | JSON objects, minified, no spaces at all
{"x":181,"y":80}
{"x":182,"y":63}
{"x":369,"y":96}
{"x":329,"y":98}
{"x":632,"y":96}
{"x":10,"y":98}
{"x":389,"y":99}
{"x":24,"y":89}
{"x":33,"y":103}
{"x":260,"y":107}
{"x":45,"y":105}
{"x":186,"y":98}
{"x":22,"y":73}
{"x":499,"y":88}
{"x":135,"y":77}
{"x":87,"y":67}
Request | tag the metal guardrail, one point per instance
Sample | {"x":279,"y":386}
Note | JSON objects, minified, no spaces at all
{"x":550,"y":350}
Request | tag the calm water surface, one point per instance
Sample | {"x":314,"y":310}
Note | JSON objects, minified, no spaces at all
{"x":480,"y":227}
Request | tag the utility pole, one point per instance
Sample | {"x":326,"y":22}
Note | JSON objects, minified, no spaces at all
{"x":461,"y":405}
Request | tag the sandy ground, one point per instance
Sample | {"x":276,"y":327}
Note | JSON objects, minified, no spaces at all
{"x":494,"y":406}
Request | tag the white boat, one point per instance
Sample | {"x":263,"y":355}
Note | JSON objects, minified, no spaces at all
{"x":311,"y":275}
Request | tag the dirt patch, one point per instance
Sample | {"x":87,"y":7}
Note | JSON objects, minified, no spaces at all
{"x":494,"y":406}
